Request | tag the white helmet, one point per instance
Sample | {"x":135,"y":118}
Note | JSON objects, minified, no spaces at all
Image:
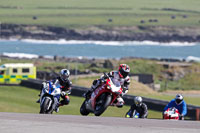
{"x":64,"y":74}
{"x":179,"y":99}
{"x":138,"y":101}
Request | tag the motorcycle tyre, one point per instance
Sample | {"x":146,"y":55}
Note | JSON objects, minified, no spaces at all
{"x":44,"y":106}
{"x":104,"y":106}
{"x":83,"y":109}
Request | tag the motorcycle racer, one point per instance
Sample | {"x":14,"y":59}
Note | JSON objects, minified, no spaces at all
{"x":65,"y":85}
{"x":138,"y":107}
{"x":118,"y":77}
{"x":179,"y":104}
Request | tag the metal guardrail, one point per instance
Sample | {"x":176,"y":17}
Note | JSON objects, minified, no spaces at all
{"x":153,"y":104}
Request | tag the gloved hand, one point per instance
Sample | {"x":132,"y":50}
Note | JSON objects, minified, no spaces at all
{"x":127,"y":116}
{"x":63,"y":93}
{"x":106,"y":76}
{"x":124,"y":92}
{"x":44,"y":85}
{"x":102,"y":80}
{"x":69,"y":91}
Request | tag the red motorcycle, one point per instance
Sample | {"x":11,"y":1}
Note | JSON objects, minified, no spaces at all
{"x":106,"y":94}
{"x":171,"y":113}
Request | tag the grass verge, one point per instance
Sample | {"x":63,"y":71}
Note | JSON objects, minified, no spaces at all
{"x":23,"y":100}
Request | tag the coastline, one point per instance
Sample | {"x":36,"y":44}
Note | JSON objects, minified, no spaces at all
{"x":170,"y":52}
{"x":162,"y":34}
{"x":101,"y":42}
{"x":14,"y":49}
{"x":63,"y":36}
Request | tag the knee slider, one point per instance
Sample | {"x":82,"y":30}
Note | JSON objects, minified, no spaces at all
{"x":66,"y":100}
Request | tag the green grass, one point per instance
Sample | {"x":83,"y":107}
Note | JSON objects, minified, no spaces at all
{"x":22,"y":100}
{"x":189,"y":82}
{"x":18,"y":99}
{"x":83,"y":13}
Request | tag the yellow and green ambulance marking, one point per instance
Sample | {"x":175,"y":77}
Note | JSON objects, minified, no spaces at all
{"x":13,"y":73}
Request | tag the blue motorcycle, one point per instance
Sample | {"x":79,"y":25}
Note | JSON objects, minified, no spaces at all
{"x":49,"y":98}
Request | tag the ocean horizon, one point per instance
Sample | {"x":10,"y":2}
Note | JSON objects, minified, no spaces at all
{"x":30,"y":48}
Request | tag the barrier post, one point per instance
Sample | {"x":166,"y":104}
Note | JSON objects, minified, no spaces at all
{"x":197,"y":114}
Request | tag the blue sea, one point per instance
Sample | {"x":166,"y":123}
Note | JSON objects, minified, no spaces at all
{"x":99,"y":49}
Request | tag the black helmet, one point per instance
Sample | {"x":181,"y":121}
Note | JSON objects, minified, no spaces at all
{"x":179,"y":99}
{"x":64,"y":74}
{"x":123,"y":70}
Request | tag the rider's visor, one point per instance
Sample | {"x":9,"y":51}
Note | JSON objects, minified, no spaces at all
{"x":65,"y":77}
{"x":178,"y":101}
{"x":123,"y":74}
{"x":138,"y":103}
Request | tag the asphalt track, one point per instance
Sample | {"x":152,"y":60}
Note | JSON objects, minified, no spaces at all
{"x":39,"y":123}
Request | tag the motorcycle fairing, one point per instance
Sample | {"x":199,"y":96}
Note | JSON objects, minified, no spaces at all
{"x":109,"y":87}
{"x":52,"y":92}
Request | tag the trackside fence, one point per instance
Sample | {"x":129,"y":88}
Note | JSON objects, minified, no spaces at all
{"x":153,"y":104}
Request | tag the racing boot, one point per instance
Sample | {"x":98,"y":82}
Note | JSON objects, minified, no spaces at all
{"x":57,"y":110}
{"x":38,"y":101}
{"x":57,"y":107}
{"x":120,"y":102}
{"x":88,"y":94}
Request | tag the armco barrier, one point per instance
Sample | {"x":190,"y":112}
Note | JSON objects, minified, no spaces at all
{"x":153,"y":104}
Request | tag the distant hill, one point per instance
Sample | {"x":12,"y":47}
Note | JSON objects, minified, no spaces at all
{"x":116,"y":20}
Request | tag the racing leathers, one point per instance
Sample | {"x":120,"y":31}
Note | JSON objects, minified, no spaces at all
{"x":182,"y":107}
{"x":141,"y":109}
{"x":114,"y":75}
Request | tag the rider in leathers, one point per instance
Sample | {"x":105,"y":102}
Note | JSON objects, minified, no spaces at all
{"x":119,"y":77}
{"x":65,"y":83}
{"x":179,"y":104}
{"x":138,"y":107}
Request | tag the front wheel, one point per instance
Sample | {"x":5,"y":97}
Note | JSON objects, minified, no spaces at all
{"x":102,"y":104}
{"x":44,"y":106}
{"x":83,"y":109}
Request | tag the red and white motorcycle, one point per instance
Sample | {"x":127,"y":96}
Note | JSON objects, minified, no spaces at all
{"x":171,"y":113}
{"x":106,"y":94}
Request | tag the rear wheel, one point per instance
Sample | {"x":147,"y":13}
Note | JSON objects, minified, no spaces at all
{"x":44,"y":107}
{"x":83,"y":109}
{"x":102,"y":103}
